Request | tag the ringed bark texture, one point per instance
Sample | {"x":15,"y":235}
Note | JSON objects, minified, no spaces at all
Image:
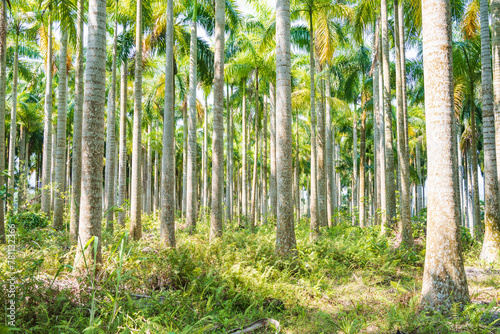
{"x":285,"y":232}
{"x":93,"y":135}
{"x":444,"y":279}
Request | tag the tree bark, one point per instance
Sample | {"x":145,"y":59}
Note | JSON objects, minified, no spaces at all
{"x":93,"y":137}
{"x":13,"y":124}
{"x":321,"y":147}
{"x":136,"y":191}
{"x":60,"y":147}
{"x":272,"y":176}
{"x":3,"y":70}
{"x":444,"y":281}
{"x":47,"y":127}
{"x":122,"y":160}
{"x":285,"y":233}
{"x":254,"y":213}
{"x":491,"y":242}
{"x":216,"y":223}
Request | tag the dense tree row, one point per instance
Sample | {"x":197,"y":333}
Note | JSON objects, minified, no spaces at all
{"x":360,"y":111}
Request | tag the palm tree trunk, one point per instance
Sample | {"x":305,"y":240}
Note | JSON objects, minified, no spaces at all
{"x":272,"y":176}
{"x":354,"y":198}
{"x":60,"y":147}
{"x":419,"y":175}
{"x":191,"y":193}
{"x":167,"y":227}
{"x":110,"y":138}
{"x":389,"y":211}
{"x":122,"y":160}
{"x":244,"y":172}
{"x":229,"y":163}
{"x":76,"y":173}
{"x":47,"y":127}
{"x":491,"y":243}
{"x":149,"y":174}
{"x":184,"y":160}
{"x":93,"y":136}
{"x":297,"y":170}
{"x":362,"y":157}
{"x":404,"y":226}
{"x":444,"y":281}
{"x":13,"y":125}
{"x":321,"y":165}
{"x":315,"y":223}
{"x":264,"y":166}
{"x":23,"y":167}
{"x":495,"y":42}
{"x":216,"y":223}
{"x":285,"y":233}
{"x":377,"y":128}
{"x":3,"y":69}
{"x":329,"y":152}
{"x":136,"y":191}
{"x":478,"y":230}
{"x":204,"y":158}
{"x":254,"y":214}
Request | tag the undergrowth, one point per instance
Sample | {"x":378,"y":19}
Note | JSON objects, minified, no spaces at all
{"x":352,"y":280}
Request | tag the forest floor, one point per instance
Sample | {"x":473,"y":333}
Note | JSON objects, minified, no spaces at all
{"x":351,"y":281}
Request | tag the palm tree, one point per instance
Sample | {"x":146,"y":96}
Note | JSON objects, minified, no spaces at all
{"x":47,"y":132}
{"x":444,"y":281}
{"x":136,"y":193}
{"x":218,"y":123}
{"x":60,"y":148}
{"x":285,"y":232}
{"x":110,"y":135}
{"x":491,"y":242}
{"x":93,"y":136}
{"x":167,"y":228}
{"x":76,"y":168}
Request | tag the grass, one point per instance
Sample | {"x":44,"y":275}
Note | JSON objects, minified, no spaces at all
{"x":351,"y":281}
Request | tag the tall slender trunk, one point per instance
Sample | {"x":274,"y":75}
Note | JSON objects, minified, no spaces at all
{"x":136,"y":191}
{"x":444,"y":281}
{"x":285,"y":232}
{"x":495,"y":42}
{"x":272,"y":176}
{"x":60,"y":147}
{"x":362,"y":157}
{"x":76,"y":168}
{"x":218,"y":124}
{"x":184,"y":159}
{"x":93,"y":137}
{"x":315,"y":222}
{"x":405,"y":237}
{"x":297,"y":170}
{"x":354,"y":195}
{"x":23,"y":167}
{"x":149,"y":175}
{"x":205,"y":158}
{"x":47,"y":126}
{"x":491,"y":243}
{"x":191,"y":193}
{"x":478,"y":230}
{"x":13,"y":123}
{"x":167,"y":227}
{"x":254,"y":214}
{"x":377,"y":126}
{"x":110,"y":139}
{"x":244,"y":183}
{"x":229,"y":163}
{"x":329,"y":152}
{"x":122,"y":160}
{"x":321,"y":143}
{"x":389,"y":211}
{"x":419,"y":174}
{"x":264,"y":166}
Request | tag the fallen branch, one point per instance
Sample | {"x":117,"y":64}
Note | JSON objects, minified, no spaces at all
{"x":256,"y":325}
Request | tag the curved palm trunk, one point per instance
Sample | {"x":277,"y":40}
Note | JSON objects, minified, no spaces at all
{"x":191,"y":191}
{"x":491,"y":243}
{"x":13,"y":125}
{"x":93,"y":136}
{"x":218,"y":124}
{"x":47,"y":128}
{"x":167,"y":227}
{"x":3,"y":69}
{"x":315,"y":223}
{"x":76,"y":168}
{"x":444,"y":279}
{"x":61,"y":136}
{"x":285,"y":232}
{"x":405,"y":237}
{"x":136,"y":191}
{"x":389,"y":211}
{"x":111,"y":140}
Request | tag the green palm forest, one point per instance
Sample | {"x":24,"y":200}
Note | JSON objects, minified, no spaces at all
{"x":232,"y":166}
